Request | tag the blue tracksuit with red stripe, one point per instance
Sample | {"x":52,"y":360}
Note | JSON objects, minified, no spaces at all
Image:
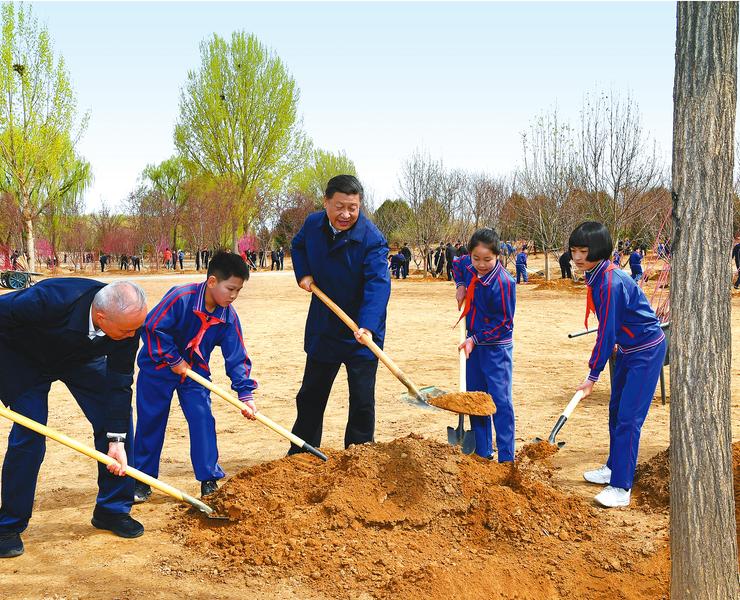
{"x":489,"y":319}
{"x":626,"y":320}
{"x":181,"y":329}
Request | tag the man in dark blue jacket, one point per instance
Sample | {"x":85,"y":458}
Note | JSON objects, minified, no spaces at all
{"x":345,"y":254}
{"x":85,"y":334}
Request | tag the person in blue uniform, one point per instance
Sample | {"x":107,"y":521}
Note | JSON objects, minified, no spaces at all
{"x":636,"y":264}
{"x":180,"y":333}
{"x":343,"y":252}
{"x":521,"y":266}
{"x":626,"y":321}
{"x":398,"y":261}
{"x":85,"y":334}
{"x":488,"y":293}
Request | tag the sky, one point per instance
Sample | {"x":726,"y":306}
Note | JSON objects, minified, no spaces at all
{"x":378,"y":81}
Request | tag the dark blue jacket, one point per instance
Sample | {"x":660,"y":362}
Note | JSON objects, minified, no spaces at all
{"x":352,"y":269}
{"x":624,"y":313}
{"x":490,"y":320}
{"x":521,"y":259}
{"x":171,"y":330}
{"x":44,"y":334}
{"x":635,"y":260}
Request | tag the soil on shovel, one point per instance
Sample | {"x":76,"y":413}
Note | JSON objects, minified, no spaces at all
{"x":414,"y":518}
{"x":538,"y":450}
{"x":466,"y":403}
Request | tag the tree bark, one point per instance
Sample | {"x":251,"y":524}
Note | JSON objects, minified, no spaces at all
{"x":30,"y":244}
{"x":703,"y":538}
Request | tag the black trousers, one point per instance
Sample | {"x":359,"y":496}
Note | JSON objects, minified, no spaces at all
{"x":566,"y":272}
{"x":311,"y":400}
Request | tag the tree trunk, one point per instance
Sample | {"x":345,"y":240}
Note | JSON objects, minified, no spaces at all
{"x":703,"y":537}
{"x":30,"y":244}
{"x":547,"y":266}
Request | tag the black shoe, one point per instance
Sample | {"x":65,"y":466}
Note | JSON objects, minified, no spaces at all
{"x":142,"y":492}
{"x":10,"y":545}
{"x":208,"y":487}
{"x":119,"y":523}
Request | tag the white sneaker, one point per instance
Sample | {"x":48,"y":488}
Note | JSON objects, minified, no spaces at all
{"x":602,"y":475}
{"x":611,"y":497}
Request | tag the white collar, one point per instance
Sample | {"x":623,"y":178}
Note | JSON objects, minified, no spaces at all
{"x":92,"y":331}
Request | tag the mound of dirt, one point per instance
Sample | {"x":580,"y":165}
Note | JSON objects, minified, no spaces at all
{"x":466,"y":403}
{"x":567,"y":285}
{"x":413,"y":518}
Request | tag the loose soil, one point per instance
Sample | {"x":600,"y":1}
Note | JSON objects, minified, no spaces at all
{"x":466,"y":403}
{"x":538,"y":450}
{"x":412,"y":518}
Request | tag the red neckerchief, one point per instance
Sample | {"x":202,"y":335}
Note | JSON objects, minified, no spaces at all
{"x":206,"y":321}
{"x":469,"y":294}
{"x":590,"y":308}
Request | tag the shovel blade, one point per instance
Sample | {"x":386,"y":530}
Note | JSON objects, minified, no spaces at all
{"x":468,"y":442}
{"x":423,"y":401}
{"x":452,"y":438}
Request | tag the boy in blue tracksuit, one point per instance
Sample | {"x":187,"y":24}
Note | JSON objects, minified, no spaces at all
{"x":521,"y":267}
{"x":488,"y":293}
{"x":180,"y":333}
{"x":636,"y":264}
{"x":627,"y":321}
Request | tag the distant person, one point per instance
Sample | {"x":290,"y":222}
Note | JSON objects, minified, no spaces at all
{"x":627,"y":322}
{"x":136,"y":262}
{"x":124,"y":262}
{"x":439,"y":259}
{"x":736,"y":258}
{"x":636,"y":264}
{"x":565,"y":270}
{"x":274,"y":260}
{"x":521,"y":266}
{"x":397,"y":262}
{"x":406,"y":251}
{"x":450,"y":254}
{"x":103,"y":261}
{"x":487,"y":292}
{"x":181,"y":258}
{"x":181,"y":332}
{"x":168,"y":259}
{"x":281,"y":258}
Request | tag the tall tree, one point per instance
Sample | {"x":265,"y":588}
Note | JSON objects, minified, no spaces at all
{"x":310,"y":181}
{"x":703,"y":540}
{"x":546,"y":181}
{"x":168,"y":178}
{"x":38,"y":129}
{"x":238,"y":119}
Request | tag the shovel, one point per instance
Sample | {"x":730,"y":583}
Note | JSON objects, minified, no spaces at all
{"x":458,"y":436}
{"x":577,"y":397}
{"x":417,"y":396}
{"x":218,"y":390}
{"x":107,"y":460}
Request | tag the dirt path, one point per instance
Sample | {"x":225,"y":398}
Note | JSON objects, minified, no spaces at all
{"x":66,"y":558}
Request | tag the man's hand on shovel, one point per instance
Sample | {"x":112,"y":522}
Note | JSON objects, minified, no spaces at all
{"x":360,"y":335}
{"x":586,"y":387}
{"x":305,"y":283}
{"x":117,"y":451}
{"x":467,"y":346}
{"x":250,"y":409}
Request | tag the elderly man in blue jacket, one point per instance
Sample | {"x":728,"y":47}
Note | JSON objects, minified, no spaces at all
{"x":85,"y":334}
{"x":345,"y":254}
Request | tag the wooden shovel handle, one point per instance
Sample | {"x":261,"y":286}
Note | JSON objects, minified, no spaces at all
{"x":382,"y":356}
{"x":463,"y":336}
{"x":279,"y":429}
{"x":102,"y":458}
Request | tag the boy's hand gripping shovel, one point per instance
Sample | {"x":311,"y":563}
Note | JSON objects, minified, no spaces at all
{"x":458,"y":436}
{"x":577,"y":397}
{"x":107,"y":460}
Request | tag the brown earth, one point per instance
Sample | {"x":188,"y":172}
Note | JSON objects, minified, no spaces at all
{"x":538,"y":450}
{"x":467,"y":403}
{"x":413,"y":517}
{"x":67,"y":558}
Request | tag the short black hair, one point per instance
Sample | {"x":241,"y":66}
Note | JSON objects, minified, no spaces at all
{"x":345,"y":184}
{"x":594,"y":236}
{"x":484,"y":237}
{"x":224,"y":265}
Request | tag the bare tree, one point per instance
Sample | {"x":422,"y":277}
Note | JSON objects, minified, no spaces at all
{"x":618,"y":162}
{"x":546,"y":181}
{"x":703,"y":540}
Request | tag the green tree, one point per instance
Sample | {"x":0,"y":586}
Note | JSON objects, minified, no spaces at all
{"x":392,"y":218}
{"x":322,"y":165}
{"x":238,"y":120}
{"x":168,"y":178}
{"x":38,"y":127}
